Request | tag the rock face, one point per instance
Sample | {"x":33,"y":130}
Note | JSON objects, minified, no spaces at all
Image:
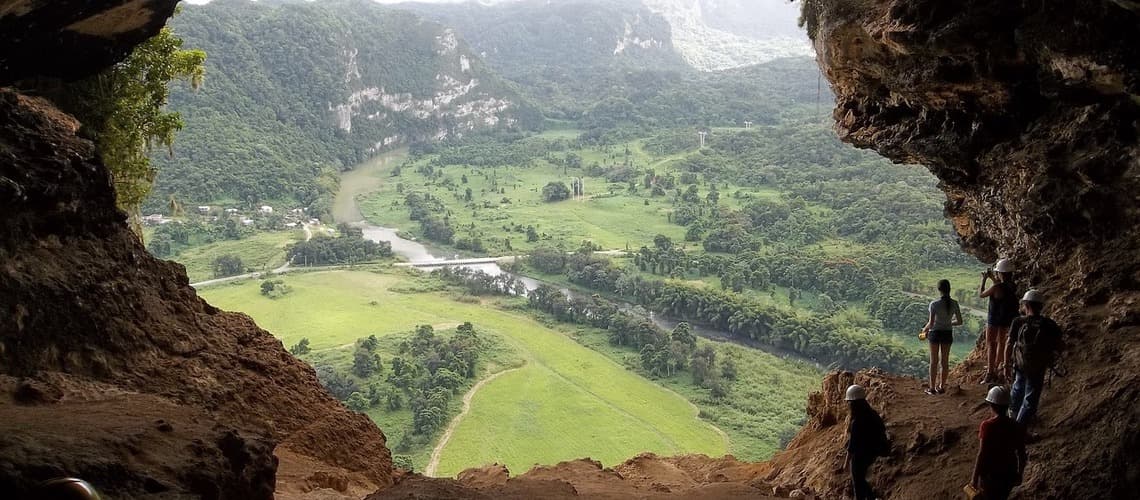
{"x":101,"y":337}
{"x":1029,"y":114}
{"x":43,"y":39}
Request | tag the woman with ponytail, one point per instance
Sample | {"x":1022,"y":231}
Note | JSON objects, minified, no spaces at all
{"x":944,"y":316}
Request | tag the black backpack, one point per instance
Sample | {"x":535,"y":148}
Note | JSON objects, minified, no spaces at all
{"x":1037,"y":341}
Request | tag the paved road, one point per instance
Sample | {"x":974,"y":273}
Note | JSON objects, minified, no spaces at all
{"x":282,"y":269}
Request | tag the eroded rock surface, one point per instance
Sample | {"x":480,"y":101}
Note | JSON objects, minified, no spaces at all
{"x":83,"y":305}
{"x":1029,"y":114}
{"x":73,"y":39}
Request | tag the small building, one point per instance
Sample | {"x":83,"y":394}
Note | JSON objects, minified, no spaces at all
{"x":265,"y":209}
{"x":231,"y":211}
{"x":314,"y":221}
{"x":247,"y":222}
{"x":290,"y":225}
{"x":154,"y":219}
{"x":297,"y":211}
{"x":203,"y":209}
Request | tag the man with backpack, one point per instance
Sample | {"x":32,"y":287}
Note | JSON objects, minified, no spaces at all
{"x":1034,"y":342}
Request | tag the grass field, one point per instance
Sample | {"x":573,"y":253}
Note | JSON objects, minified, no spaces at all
{"x":567,"y":401}
{"x":261,"y":251}
{"x":609,"y":215}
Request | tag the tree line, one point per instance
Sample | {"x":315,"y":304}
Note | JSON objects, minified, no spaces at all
{"x":823,"y":339}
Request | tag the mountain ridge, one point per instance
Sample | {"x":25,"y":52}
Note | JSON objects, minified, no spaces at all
{"x":307,"y":89}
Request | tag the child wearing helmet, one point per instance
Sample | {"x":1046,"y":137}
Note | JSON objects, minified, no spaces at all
{"x":1002,"y":311}
{"x":867,"y":440}
{"x":1001,"y":450}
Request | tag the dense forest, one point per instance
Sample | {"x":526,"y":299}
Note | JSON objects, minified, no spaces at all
{"x":296,"y":92}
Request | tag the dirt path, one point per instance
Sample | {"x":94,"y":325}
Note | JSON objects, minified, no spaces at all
{"x":433,"y":464}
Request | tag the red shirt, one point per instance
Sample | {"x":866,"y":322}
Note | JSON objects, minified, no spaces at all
{"x":1001,"y":439}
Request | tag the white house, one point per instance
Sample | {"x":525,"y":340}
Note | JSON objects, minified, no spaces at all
{"x":265,"y":209}
{"x":231,"y":211}
{"x":153,"y":219}
{"x":203,"y":209}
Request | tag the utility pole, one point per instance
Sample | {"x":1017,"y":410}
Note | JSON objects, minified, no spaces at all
{"x":747,"y":124}
{"x":702,"y":135}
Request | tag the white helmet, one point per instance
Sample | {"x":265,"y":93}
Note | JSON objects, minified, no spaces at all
{"x":1034,"y":296}
{"x":998,"y":396}
{"x":1003,"y":266}
{"x":855,"y":393}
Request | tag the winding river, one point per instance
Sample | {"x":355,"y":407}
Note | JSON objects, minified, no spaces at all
{"x":366,"y":178}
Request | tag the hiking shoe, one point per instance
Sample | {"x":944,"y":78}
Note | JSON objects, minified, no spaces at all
{"x":930,"y":391}
{"x":940,"y":390}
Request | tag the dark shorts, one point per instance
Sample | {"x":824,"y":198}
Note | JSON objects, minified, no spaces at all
{"x":941,"y":337}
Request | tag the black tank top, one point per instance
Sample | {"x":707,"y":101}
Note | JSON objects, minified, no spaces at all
{"x":1003,"y":311}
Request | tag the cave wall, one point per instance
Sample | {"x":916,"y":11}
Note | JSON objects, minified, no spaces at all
{"x":73,"y":38}
{"x":1029,"y":115}
{"x":111,"y":367}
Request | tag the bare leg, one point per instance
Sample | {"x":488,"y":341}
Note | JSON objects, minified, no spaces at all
{"x":1002,"y":335}
{"x":933,"y":364}
{"x":992,"y":351}
{"x":945,"y":352}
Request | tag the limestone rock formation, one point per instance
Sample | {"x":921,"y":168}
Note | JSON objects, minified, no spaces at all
{"x":1029,"y":114}
{"x":115,"y":370}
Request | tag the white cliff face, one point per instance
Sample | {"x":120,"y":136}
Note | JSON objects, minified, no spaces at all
{"x":446,"y":43}
{"x":455,"y":98}
{"x":710,"y":49}
{"x":629,"y":40}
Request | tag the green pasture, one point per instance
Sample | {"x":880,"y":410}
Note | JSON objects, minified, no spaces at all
{"x":561,"y":386}
{"x":262,"y":251}
{"x":608,"y":214}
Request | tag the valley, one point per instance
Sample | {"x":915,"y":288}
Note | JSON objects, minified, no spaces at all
{"x":695,"y":248}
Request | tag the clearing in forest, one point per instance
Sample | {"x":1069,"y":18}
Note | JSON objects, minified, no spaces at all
{"x":566,"y":401}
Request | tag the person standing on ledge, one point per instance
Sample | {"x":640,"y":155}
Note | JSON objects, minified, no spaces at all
{"x":867,"y":439}
{"x":1001,"y":450}
{"x":1002,"y":311}
{"x":1033,"y":345}
{"x":944,"y":316}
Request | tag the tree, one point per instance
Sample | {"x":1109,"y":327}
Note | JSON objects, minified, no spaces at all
{"x":124,"y":106}
{"x":728,"y":369}
{"x":227,"y":265}
{"x":365,"y":360}
{"x":555,"y":191}
{"x":160,"y":245}
{"x":336,"y":382}
{"x":357,"y":402}
{"x":683,"y":333}
{"x":403,"y":462}
{"x":548,"y":260}
{"x":301,"y":348}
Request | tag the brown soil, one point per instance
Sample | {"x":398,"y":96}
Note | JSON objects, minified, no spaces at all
{"x":84,"y":303}
{"x":1027,"y":112}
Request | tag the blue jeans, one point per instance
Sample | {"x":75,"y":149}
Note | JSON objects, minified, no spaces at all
{"x":1025,"y":395}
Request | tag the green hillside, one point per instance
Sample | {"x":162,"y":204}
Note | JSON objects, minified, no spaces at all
{"x":295,"y":91}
